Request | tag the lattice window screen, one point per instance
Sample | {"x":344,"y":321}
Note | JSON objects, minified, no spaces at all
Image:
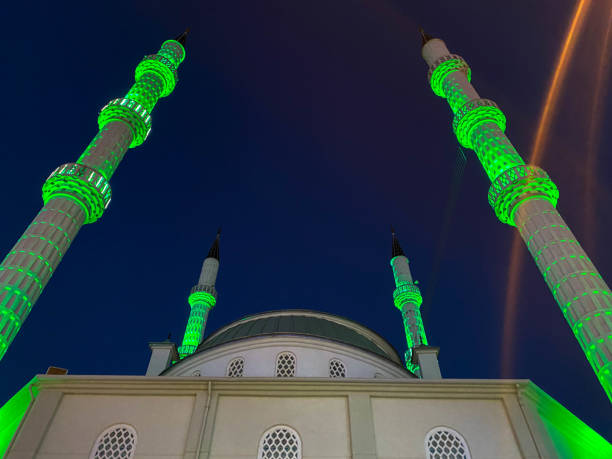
{"x":445,"y":443}
{"x":235,"y":369}
{"x":337,"y":369}
{"x":285,"y":365}
{"x":280,"y":442}
{"x":116,"y":442}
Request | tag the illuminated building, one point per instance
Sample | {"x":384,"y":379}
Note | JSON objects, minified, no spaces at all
{"x":202,"y":298}
{"x":524,"y":196}
{"x":76,"y":194}
{"x":290,"y":384}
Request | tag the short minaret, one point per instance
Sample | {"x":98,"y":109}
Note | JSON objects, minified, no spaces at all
{"x":76,"y":194}
{"x":202,"y":299}
{"x":407,"y":298}
{"x":525,"y":197}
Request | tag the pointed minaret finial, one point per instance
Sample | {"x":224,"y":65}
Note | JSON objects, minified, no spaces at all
{"x":214,"y":248}
{"x":396,"y":248}
{"x":182,"y":38}
{"x":425,"y":37}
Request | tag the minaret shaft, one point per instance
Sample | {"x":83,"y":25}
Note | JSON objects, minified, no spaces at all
{"x":78,"y":193}
{"x":525,"y":197}
{"x":202,"y":299}
{"x":407,"y":298}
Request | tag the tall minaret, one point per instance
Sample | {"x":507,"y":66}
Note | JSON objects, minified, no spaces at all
{"x":524,"y":196}
{"x":202,"y":299}
{"x":407,"y":298}
{"x":77,"y":193}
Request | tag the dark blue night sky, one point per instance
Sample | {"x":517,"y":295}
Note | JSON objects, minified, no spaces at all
{"x":305,"y":129}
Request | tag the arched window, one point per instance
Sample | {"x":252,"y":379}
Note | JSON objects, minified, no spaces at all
{"x":280,"y":442}
{"x":285,"y":365}
{"x":445,"y":443}
{"x":118,"y":441}
{"x":337,"y":369}
{"x":235,"y":369}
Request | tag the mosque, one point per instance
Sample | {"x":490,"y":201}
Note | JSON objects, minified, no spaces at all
{"x":291,"y":384}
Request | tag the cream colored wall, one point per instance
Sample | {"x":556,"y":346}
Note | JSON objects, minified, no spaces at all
{"x":322,"y":423}
{"x":402,"y":423}
{"x":161,"y":423}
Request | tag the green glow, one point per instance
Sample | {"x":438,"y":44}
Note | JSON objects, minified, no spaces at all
{"x":407,"y":292}
{"x":444,"y":67}
{"x":83,"y":185}
{"x":570,"y":437}
{"x":201,"y":302}
{"x":156,"y":76}
{"x":130,"y":112}
{"x":173,"y":50}
{"x":473,"y":114}
{"x":164,"y":69}
{"x":408,"y":299}
{"x":76,"y":194}
{"x":517,"y":185}
{"x":455,"y":93}
{"x":525,"y":194}
{"x":12,"y":413}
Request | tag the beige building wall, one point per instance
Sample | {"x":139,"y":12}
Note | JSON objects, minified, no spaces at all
{"x":321,"y":422}
{"x":161,"y":423}
{"x":223,"y":418}
{"x":402,"y":424}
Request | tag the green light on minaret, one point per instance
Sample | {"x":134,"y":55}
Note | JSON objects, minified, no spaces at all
{"x":524,"y":196}
{"x":202,"y":299}
{"x":201,"y":303}
{"x":408,"y":299}
{"x":78,"y":193}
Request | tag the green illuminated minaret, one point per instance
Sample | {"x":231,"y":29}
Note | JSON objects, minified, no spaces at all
{"x":524,"y":196}
{"x":407,"y":298}
{"x":77,"y":193}
{"x":202,"y":299}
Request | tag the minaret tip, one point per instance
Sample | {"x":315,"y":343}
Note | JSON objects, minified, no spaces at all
{"x":214,"y":248}
{"x":182,"y":38}
{"x":425,"y":37}
{"x":396,"y":248}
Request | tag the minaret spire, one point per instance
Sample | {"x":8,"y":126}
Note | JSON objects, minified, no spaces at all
{"x":425,"y":37}
{"x":202,"y":299}
{"x":78,"y":193}
{"x":396,"y":248}
{"x":524,"y":196}
{"x":214,"y":248}
{"x":407,"y":298}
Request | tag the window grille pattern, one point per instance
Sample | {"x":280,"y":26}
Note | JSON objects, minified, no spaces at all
{"x":118,"y":441}
{"x":337,"y":369}
{"x":280,"y":442}
{"x":235,"y":369}
{"x":285,"y":365}
{"x":445,"y":443}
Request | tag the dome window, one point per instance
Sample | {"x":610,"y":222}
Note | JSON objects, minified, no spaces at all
{"x":285,"y":365}
{"x":280,"y":442}
{"x":337,"y":369}
{"x":235,"y":369}
{"x":443,"y":442}
{"x":116,"y":441}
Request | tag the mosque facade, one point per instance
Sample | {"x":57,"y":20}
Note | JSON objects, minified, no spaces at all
{"x":287,"y":384}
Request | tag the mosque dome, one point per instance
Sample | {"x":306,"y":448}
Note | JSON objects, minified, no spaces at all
{"x":293,"y":343}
